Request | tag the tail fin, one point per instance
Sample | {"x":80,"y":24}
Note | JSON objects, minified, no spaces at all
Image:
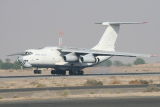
{"x":108,"y":39}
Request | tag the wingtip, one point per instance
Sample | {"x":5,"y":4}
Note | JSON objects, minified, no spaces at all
{"x":97,"y":23}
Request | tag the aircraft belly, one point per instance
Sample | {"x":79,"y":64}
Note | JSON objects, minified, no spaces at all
{"x":64,"y":66}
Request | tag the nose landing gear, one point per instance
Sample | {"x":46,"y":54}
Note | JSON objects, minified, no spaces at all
{"x":36,"y":71}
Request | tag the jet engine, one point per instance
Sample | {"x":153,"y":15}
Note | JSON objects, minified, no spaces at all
{"x":89,"y":58}
{"x":71,"y":57}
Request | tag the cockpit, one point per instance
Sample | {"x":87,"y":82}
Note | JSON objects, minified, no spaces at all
{"x":27,"y":53}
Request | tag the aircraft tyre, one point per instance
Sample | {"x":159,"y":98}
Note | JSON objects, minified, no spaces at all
{"x":37,"y":71}
{"x":80,"y":72}
{"x":52,"y":71}
{"x":58,"y":72}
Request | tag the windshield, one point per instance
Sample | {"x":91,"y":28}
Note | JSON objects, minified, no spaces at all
{"x":27,"y":53}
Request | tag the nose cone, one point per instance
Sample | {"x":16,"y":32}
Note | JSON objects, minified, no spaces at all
{"x":24,"y":62}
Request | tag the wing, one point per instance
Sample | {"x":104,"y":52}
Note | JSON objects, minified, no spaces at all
{"x":17,"y":54}
{"x":79,"y":52}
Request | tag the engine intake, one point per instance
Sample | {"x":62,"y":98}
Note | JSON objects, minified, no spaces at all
{"x":89,"y":58}
{"x":71,"y":57}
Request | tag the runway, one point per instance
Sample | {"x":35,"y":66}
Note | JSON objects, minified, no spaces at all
{"x":96,"y":102}
{"x":132,"y":87}
{"x":108,"y":74}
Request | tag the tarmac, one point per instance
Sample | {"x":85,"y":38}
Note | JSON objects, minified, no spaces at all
{"x":94,"y":102}
{"x":129,"y":87}
{"x":106,"y":74}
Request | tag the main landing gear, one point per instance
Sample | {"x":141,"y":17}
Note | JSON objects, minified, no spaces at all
{"x":63,"y":72}
{"x":78,"y":72}
{"x":58,"y":72}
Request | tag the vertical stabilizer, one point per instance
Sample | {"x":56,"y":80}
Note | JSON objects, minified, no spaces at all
{"x":108,"y":39}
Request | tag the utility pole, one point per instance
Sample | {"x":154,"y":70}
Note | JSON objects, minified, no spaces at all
{"x":60,"y":39}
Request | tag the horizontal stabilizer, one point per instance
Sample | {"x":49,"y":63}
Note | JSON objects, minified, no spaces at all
{"x":115,"y":23}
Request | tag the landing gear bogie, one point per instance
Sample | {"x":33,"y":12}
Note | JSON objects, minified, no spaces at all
{"x":58,"y":72}
{"x":80,"y":72}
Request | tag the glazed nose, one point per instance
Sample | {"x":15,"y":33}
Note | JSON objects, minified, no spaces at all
{"x":20,"y":59}
{"x":24,"y":62}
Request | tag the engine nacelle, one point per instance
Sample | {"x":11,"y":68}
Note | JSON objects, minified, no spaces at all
{"x":89,"y":58}
{"x":71,"y":57}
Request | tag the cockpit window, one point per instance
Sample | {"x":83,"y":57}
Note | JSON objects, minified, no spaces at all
{"x":28,"y":53}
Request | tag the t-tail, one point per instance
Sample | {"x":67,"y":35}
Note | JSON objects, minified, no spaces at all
{"x":108,"y":39}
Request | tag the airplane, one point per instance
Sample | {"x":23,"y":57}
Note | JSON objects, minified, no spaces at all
{"x":74,"y":60}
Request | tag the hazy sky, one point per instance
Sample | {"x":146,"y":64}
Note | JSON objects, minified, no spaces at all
{"x":28,"y":24}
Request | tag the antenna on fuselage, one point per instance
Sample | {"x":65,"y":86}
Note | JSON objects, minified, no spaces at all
{"x":60,"y":39}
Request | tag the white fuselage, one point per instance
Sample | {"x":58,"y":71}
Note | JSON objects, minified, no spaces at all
{"x":50,"y":57}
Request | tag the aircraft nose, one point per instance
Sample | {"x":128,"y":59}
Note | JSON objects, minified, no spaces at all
{"x":20,"y":59}
{"x":24,"y":62}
